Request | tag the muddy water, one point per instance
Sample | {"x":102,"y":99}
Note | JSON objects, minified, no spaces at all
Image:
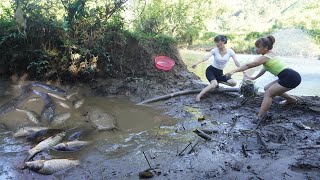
{"x":138,"y":128}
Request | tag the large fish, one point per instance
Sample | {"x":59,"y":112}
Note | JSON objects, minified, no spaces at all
{"x":42,"y":134}
{"x":13,"y":103}
{"x":64,"y":105}
{"x":71,"y":146}
{"x":33,"y":116}
{"x":27,"y":131}
{"x":60,"y":119}
{"x":72,"y":94}
{"x":49,"y":87}
{"x":48,"y":108}
{"x":48,"y":167}
{"x":46,"y":144}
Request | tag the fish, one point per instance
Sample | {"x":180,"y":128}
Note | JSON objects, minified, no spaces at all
{"x":45,"y":144}
{"x":41,"y":135}
{"x":33,"y":116}
{"x":13,"y":103}
{"x":75,"y":136}
{"x":60,"y":119}
{"x":78,"y":103}
{"x":48,"y":110}
{"x":57,"y":96}
{"x":71,"y":146}
{"x":64,"y":105}
{"x":72,"y":94}
{"x":49,"y":87}
{"x":26,"y":131}
{"x":48,"y":167}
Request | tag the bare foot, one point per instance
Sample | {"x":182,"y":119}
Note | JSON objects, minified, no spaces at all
{"x":198,"y":98}
{"x":286,"y":102}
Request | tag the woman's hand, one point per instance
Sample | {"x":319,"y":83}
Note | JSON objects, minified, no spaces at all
{"x":248,"y":77}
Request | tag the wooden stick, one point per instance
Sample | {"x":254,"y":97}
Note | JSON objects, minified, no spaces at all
{"x":264,"y":144}
{"x":202,"y":134}
{"x":194,"y":144}
{"x":146,"y":158}
{"x":168,"y":96}
{"x":184,"y":149}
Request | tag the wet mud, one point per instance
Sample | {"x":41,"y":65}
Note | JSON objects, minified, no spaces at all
{"x":163,"y":143}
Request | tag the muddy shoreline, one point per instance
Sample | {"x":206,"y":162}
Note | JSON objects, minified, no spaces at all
{"x":279,"y":149}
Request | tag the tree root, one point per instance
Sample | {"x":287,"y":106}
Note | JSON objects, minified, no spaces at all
{"x":168,"y":96}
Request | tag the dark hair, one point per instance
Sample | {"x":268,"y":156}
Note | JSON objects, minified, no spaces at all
{"x":222,"y":38}
{"x":266,"y":42}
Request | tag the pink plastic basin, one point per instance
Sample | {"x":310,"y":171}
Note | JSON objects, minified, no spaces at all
{"x":164,"y":63}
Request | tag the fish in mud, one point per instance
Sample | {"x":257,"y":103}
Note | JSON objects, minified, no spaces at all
{"x":100,"y":119}
{"x":48,"y":167}
{"x":64,"y":105}
{"x":76,"y":135}
{"x":60,"y":119}
{"x":57,"y":96}
{"x":78,"y":103}
{"x":72,"y":94}
{"x":27,"y":131}
{"x":71,"y":146}
{"x":46,"y":144}
{"x":49,"y":87}
{"x":48,"y":108}
{"x":33,"y":116}
{"x":42,"y":134}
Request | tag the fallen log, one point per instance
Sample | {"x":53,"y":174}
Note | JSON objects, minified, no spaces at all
{"x":195,"y":91}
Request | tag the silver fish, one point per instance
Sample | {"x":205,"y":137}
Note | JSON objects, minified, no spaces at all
{"x":57,"y":96}
{"x":48,"y":110}
{"x":60,"y":119}
{"x":26,"y":131}
{"x":49,"y":87}
{"x":100,"y":119}
{"x":51,"y":166}
{"x":46,"y":144}
{"x":78,"y":103}
{"x":72,"y":94}
{"x":71,"y":146}
{"x":64,"y":105}
{"x":33,"y":116}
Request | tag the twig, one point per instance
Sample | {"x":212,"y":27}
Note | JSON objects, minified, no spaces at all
{"x":311,"y":147}
{"x":184,"y":149}
{"x":146,"y":158}
{"x":194,"y":144}
{"x":233,"y":124}
{"x":202,"y":134}
{"x":244,"y":151}
{"x":168,"y":96}
{"x":264,"y":144}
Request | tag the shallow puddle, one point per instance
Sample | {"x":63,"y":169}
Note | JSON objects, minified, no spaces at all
{"x":136,"y":127}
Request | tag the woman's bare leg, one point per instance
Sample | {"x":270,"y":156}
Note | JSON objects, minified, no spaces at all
{"x":289,"y":99}
{"x":232,"y":82}
{"x":274,"y":90}
{"x":213,"y":84}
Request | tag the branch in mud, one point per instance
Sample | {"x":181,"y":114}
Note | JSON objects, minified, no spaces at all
{"x":168,"y":96}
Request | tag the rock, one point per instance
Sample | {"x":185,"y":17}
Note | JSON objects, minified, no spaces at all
{"x":100,"y":119}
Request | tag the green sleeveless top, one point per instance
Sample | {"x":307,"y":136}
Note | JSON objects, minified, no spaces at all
{"x":274,"y":65}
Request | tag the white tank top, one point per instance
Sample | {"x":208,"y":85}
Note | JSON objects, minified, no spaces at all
{"x":219,"y":61}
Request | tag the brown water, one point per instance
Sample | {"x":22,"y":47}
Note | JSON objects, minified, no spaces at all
{"x":138,"y":127}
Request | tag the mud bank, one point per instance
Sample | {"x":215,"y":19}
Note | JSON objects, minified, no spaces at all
{"x":286,"y":146}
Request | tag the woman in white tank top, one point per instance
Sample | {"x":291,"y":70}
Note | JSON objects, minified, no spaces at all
{"x":214,"y":72}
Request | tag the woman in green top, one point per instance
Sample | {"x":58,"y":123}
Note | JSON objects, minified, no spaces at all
{"x":288,"y":78}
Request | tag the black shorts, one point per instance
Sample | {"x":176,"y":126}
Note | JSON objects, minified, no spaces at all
{"x":213,"y":73}
{"x":289,"y":78}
